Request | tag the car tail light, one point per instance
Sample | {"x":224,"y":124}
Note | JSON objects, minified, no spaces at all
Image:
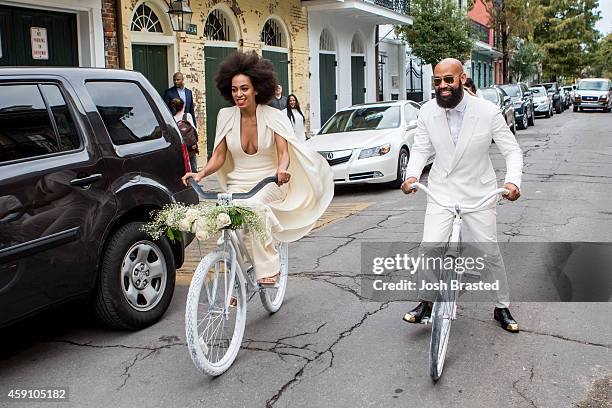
{"x":185,"y":158}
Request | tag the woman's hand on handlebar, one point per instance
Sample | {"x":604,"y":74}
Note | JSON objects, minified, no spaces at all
{"x":283,"y":176}
{"x":196,"y":176}
{"x":407,"y":185}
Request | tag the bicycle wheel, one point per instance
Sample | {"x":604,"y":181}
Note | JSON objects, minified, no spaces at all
{"x":213,"y":327}
{"x":442,"y":315}
{"x":272,"y":297}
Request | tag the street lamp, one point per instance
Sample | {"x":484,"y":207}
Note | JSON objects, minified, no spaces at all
{"x":180,"y":14}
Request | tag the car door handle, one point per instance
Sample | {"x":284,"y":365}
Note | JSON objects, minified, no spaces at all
{"x":85,"y":182}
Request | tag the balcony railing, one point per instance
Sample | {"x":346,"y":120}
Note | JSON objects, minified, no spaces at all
{"x":399,"y":6}
{"x":480,"y":31}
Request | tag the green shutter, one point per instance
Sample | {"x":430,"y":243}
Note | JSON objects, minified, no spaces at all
{"x":358,"y":79}
{"x":280,"y":60}
{"x":152,"y":62}
{"x":327,"y":85}
{"x":213,"y":56}
{"x":15,"y":23}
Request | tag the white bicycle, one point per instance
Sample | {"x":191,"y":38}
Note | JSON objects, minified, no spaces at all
{"x":444,"y":309}
{"x":223,"y":283}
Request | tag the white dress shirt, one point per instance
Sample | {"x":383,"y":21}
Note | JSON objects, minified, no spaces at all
{"x":454,"y":117}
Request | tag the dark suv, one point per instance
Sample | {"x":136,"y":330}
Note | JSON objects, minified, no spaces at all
{"x":85,"y":156}
{"x":522,"y":101}
{"x":553,"y":88}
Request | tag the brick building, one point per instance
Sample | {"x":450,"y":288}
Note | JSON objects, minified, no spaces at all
{"x":484,"y":66}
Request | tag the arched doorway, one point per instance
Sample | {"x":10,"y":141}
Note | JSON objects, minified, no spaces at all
{"x":357,"y":70}
{"x":221,"y":40}
{"x":153,"y":44}
{"x":327,"y":75}
{"x":276,"y":49}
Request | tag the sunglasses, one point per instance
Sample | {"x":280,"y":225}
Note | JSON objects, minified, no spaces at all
{"x":449,"y":79}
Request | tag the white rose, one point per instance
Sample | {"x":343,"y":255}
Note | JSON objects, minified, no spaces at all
{"x":191,"y":215}
{"x":223,"y":220}
{"x":199,"y":227}
{"x":184,"y":225}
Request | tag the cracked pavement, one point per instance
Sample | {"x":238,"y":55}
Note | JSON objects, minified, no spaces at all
{"x":328,"y":347}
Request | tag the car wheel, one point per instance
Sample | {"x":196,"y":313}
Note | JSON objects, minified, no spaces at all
{"x":402,"y":163}
{"x":523,"y":123}
{"x":581,"y":109}
{"x":531,"y":120}
{"x":136,"y":280}
{"x":607,"y":110}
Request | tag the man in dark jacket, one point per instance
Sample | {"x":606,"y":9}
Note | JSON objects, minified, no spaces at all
{"x":179,"y":91}
{"x":279,"y":101}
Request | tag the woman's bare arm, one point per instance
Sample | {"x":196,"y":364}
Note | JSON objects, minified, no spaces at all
{"x":282,"y":153}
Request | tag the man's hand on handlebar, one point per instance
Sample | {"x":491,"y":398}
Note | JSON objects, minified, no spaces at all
{"x":513,"y":192}
{"x":196,"y":176}
{"x":407,"y":185}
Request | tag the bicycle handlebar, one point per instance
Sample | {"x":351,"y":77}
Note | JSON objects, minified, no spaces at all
{"x":462,"y":207}
{"x":213,"y":196}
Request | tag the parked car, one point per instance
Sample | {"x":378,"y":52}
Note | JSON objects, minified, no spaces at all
{"x":501,"y":99}
{"x":569,"y":95}
{"x":522,"y":101}
{"x":85,"y":156}
{"x":542,"y":101}
{"x":369,"y":143}
{"x":593,"y":93}
{"x":553,"y":89}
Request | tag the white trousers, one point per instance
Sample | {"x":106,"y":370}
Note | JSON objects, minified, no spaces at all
{"x":477,"y":227}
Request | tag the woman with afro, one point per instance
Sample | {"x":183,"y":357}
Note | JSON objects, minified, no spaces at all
{"x":254,"y":141}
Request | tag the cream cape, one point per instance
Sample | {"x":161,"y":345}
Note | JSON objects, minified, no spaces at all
{"x":311,"y":188}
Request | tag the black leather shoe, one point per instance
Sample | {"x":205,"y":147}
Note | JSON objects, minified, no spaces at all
{"x":506,"y":320}
{"x":416,"y":315}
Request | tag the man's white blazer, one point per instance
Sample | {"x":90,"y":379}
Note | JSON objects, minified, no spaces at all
{"x":464,"y":173}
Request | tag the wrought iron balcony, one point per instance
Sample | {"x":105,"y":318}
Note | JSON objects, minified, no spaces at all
{"x":480,"y":31}
{"x":399,"y":6}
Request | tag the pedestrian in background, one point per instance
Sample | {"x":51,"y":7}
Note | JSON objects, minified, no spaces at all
{"x":296,"y":117}
{"x":279,"y":101}
{"x":470,"y":86}
{"x":179,"y":91}
{"x":188,"y":130}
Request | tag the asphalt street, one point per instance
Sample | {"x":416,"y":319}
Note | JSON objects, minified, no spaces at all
{"x":329,"y":347}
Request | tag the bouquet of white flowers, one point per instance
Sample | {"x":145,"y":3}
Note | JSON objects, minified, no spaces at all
{"x":203,"y":219}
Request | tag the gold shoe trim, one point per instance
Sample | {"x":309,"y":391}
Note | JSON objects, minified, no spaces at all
{"x":410,"y":318}
{"x":514,"y":327}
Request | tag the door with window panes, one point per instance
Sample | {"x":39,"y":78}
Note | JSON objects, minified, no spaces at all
{"x":52,"y":185}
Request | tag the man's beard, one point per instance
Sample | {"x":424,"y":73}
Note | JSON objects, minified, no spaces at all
{"x":452,"y":100}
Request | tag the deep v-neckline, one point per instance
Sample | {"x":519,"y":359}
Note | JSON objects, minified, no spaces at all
{"x":240,"y":135}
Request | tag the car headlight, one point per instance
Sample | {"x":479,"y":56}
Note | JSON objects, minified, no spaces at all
{"x":375,"y":151}
{"x":604,"y":97}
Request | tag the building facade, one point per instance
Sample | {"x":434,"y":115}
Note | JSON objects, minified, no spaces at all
{"x":342,"y":38}
{"x":484,"y":66}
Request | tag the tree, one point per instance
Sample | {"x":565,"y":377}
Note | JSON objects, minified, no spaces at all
{"x":601,"y":59}
{"x":527,"y":59}
{"x":440,"y":30}
{"x":510,"y":18}
{"x":565,"y":30}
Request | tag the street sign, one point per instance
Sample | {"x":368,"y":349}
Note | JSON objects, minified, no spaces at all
{"x":40,"y":48}
{"x":192,"y":29}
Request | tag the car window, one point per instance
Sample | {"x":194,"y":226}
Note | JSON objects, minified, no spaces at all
{"x":410,"y":113}
{"x":490,"y":95}
{"x":25,"y":125}
{"x":538,"y":91}
{"x":593,"y":86}
{"x":125,"y":111}
{"x":66,"y":129}
{"x":511,"y":90}
{"x":370,"y":118}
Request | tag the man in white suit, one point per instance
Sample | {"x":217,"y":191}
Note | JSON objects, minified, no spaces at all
{"x":459,"y":128}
